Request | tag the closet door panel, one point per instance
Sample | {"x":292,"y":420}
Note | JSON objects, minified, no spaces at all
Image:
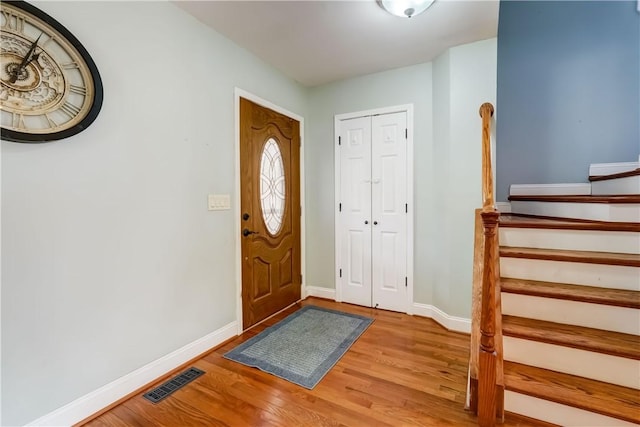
{"x":355,"y":196}
{"x":388,"y":207}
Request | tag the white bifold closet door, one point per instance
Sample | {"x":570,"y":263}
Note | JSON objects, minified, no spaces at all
{"x":373,"y":215}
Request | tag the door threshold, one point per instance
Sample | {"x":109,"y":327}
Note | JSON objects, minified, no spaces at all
{"x":274,"y":314}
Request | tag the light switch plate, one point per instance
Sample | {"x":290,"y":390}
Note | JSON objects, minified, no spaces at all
{"x":219,"y":202}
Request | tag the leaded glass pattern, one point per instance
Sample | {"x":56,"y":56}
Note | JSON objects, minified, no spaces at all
{"x":272,"y":186}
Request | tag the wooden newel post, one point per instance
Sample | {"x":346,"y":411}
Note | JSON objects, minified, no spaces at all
{"x":487,"y":389}
{"x":488,"y":358}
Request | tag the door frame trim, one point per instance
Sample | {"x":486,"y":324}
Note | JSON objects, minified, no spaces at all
{"x":408,"y":108}
{"x":240,"y":93}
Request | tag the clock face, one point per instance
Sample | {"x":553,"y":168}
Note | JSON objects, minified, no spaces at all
{"x":49,"y":86}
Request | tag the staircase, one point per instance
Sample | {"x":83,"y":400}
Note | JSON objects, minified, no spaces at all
{"x":570,"y":296}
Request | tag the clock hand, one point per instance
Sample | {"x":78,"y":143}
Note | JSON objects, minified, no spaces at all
{"x":25,"y":61}
{"x":34,"y":57}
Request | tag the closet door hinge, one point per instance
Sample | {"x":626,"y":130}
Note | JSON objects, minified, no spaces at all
{"x":339,"y":140}
{"x":301,"y":279}
{"x":405,"y":282}
{"x":406,"y":134}
{"x":406,"y":208}
{"x":340,"y":272}
{"x":339,"y":207}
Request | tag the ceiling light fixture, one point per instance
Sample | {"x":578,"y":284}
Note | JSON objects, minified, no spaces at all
{"x":405,"y":8}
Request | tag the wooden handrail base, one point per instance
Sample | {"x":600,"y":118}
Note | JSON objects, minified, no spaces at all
{"x":487,"y":390}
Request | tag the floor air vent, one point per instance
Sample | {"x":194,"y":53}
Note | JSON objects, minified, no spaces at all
{"x":175,"y":383}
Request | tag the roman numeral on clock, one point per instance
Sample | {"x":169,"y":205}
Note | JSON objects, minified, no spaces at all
{"x":70,"y":109}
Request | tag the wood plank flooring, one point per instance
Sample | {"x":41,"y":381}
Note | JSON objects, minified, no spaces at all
{"x":403,"y":371}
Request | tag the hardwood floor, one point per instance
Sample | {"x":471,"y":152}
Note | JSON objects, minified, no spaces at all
{"x":403,"y":371}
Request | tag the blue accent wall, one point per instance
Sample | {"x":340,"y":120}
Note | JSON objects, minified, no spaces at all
{"x":568,"y":89}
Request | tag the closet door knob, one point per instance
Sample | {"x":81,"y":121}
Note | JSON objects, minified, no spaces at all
{"x":366,"y":222}
{"x":375,"y":222}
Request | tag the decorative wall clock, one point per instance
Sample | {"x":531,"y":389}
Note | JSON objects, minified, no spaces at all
{"x":50,"y":87}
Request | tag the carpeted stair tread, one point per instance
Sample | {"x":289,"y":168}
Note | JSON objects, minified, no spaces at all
{"x":635,"y":172}
{"x":510,"y":220}
{"x":580,"y":337}
{"x":564,"y":291}
{"x":629,"y":198}
{"x":591,"y":395}
{"x":590,"y":257}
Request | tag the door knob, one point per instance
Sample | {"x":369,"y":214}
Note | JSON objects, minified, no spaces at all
{"x":246,"y":232}
{"x":245,"y":216}
{"x":375,"y":222}
{"x":366,"y":222}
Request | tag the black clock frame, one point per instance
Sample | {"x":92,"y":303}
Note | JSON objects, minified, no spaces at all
{"x":24,"y":137}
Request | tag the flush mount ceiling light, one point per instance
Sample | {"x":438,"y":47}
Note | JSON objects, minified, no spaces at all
{"x":405,"y":8}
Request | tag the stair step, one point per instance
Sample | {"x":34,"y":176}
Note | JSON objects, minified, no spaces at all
{"x":598,"y":316}
{"x":560,"y":189}
{"x":635,"y":172}
{"x":626,"y":198}
{"x":622,"y":208}
{"x":597,"y":340}
{"x":591,"y":395}
{"x":575,"y":273}
{"x":602,"y":169}
{"x":557,"y":413}
{"x":589,"y":257}
{"x":565,"y":291}
{"x":575,"y":361}
{"x":627,"y":242}
{"x":532,"y":221}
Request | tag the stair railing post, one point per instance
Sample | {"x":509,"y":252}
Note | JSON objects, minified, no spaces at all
{"x":488,"y":358}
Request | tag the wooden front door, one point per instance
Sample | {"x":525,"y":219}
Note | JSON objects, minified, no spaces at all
{"x":270,"y":211}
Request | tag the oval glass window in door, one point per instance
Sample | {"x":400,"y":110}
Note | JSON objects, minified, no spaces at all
{"x":272,"y":186}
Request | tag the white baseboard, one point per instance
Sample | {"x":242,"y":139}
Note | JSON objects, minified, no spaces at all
{"x":599,"y":169}
{"x":569,"y":189}
{"x":453,"y":323}
{"x":93,"y":402}
{"x":458,"y":324}
{"x":503,"y":207}
{"x":316,"y":291}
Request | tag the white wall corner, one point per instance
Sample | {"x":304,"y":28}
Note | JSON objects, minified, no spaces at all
{"x":452,"y":323}
{"x":93,"y":402}
{"x":316,"y":291}
{"x":503,"y":207}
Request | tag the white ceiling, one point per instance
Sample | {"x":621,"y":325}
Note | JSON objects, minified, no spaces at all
{"x":317,"y":42}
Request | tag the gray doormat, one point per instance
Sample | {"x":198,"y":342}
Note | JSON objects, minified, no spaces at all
{"x":302,"y":347}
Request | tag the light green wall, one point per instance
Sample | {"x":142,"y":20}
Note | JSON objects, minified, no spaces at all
{"x":446,"y":95}
{"x":110,"y":259}
{"x":471,"y":81}
{"x":409,"y":85}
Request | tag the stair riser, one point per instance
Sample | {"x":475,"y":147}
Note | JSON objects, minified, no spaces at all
{"x":610,"y":187}
{"x":556,"y":413}
{"x":618,"y":319}
{"x":574,"y":273}
{"x":573,"y":189}
{"x":592,"y":211}
{"x":579,"y":240}
{"x":597,"y":366}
